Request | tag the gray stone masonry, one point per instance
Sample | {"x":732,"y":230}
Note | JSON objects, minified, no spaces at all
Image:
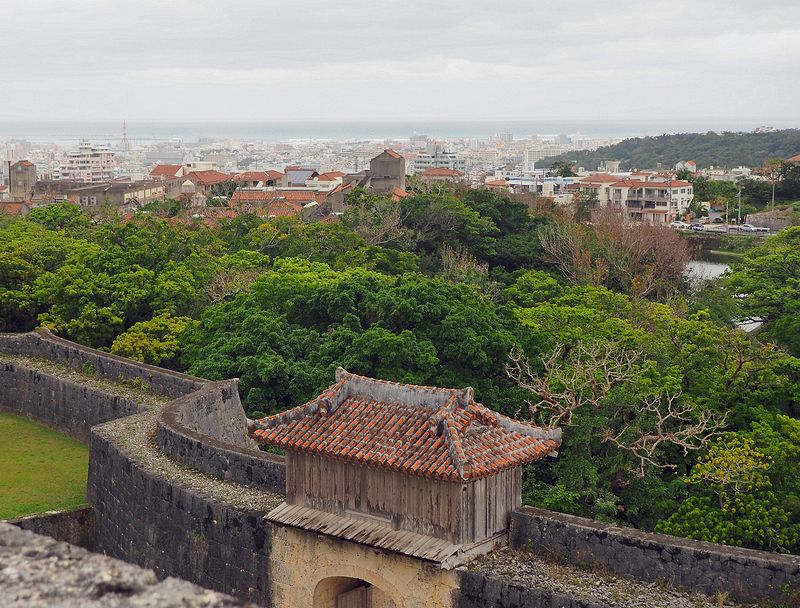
{"x":206,"y":431}
{"x":706,"y":567}
{"x":74,"y":527}
{"x":40,"y":572}
{"x":480,"y":591}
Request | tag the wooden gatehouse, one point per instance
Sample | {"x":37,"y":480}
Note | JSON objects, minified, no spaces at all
{"x":423,"y":471}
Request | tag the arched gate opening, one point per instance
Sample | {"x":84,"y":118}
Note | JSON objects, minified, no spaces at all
{"x":347,"y":592}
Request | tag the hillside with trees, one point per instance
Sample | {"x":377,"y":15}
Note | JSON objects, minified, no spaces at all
{"x":672,"y":419}
{"x":719,"y":149}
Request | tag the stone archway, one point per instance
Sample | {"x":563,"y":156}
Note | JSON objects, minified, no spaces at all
{"x":348,"y":592}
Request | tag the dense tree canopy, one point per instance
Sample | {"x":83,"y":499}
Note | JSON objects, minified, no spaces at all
{"x":588,"y":327}
{"x":718,"y":149}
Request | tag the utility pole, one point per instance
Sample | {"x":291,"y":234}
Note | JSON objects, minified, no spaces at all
{"x":739,"y":213}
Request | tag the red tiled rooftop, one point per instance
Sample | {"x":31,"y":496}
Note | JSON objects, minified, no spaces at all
{"x":632,"y":183}
{"x":794,"y":159}
{"x":600,"y":178}
{"x":165,"y":170}
{"x":441,"y":172}
{"x":399,"y":193}
{"x":497,"y":183}
{"x":252,"y":176}
{"x":207,"y":178}
{"x":418,"y":430}
{"x":393,"y":154}
{"x":330,"y":176}
{"x":264,"y":196}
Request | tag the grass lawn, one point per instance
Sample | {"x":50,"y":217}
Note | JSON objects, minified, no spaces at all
{"x":40,"y":470}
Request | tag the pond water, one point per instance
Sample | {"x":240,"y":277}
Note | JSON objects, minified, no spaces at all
{"x":707,"y":264}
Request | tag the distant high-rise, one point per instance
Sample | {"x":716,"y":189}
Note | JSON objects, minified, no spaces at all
{"x":90,"y":164}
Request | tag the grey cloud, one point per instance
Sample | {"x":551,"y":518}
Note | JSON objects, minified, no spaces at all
{"x":350,"y":60}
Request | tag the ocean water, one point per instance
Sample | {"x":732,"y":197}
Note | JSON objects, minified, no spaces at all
{"x":70,"y":132}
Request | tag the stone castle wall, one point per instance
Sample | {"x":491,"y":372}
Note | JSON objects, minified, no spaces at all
{"x":205,"y":431}
{"x":148,"y":519}
{"x":66,"y":405}
{"x":706,"y":567}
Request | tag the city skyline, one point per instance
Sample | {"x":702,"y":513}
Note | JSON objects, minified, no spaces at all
{"x":195,"y":61}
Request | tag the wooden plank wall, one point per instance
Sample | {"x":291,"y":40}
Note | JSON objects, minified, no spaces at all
{"x":488,"y":503}
{"x":435,"y":508}
{"x":404,"y":501}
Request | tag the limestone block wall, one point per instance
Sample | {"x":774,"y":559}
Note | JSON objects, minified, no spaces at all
{"x":706,"y":567}
{"x":206,"y":431}
{"x":307,"y":569}
{"x":40,"y":572}
{"x":75,"y":527}
{"x":65,"y":405}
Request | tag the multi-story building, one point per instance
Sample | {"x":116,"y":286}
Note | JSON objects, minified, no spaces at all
{"x":388,"y":172}
{"x":89,"y":164}
{"x":436,"y":157}
{"x":651,"y":201}
{"x":22,"y":180}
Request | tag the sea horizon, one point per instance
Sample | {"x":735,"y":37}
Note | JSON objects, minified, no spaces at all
{"x":66,"y":132}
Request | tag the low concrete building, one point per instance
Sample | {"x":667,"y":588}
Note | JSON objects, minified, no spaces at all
{"x":128,"y":196}
{"x":651,"y":201}
{"x":436,"y":175}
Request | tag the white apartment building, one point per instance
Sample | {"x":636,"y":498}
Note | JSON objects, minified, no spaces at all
{"x":436,"y":157}
{"x":89,"y":164}
{"x":651,"y":201}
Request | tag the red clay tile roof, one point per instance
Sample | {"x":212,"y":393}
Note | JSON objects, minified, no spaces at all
{"x":252,"y":176}
{"x":398,"y":193}
{"x":330,"y":176}
{"x":441,"y":172}
{"x":207,"y":178}
{"x":165,"y":170}
{"x":600,"y":178}
{"x":794,"y":159}
{"x":24,"y":163}
{"x":393,"y":154}
{"x":418,"y":430}
{"x":497,"y":183}
{"x":265,"y":196}
{"x":629,"y":183}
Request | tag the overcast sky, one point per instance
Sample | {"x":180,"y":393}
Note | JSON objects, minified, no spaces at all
{"x":399,"y":60}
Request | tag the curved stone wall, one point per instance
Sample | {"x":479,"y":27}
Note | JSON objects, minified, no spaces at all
{"x":152,"y":513}
{"x":44,"y":345}
{"x":230,"y":455}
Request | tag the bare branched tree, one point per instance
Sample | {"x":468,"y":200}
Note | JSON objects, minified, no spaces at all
{"x":570,"y":381}
{"x":379,"y":222}
{"x":672,"y":424}
{"x":229,"y":282}
{"x":584,"y":376}
{"x":566,"y":248}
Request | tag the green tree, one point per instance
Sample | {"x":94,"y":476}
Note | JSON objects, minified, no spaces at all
{"x":766,"y":284}
{"x":155,"y":341}
{"x":562,"y":168}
